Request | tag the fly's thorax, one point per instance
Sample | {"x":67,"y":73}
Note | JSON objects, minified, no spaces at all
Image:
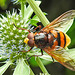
{"x":41,"y":39}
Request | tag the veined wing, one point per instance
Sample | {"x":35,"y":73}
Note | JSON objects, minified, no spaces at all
{"x":62,"y":22}
{"x":63,"y":57}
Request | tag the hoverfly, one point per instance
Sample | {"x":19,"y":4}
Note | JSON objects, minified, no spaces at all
{"x":53,"y":41}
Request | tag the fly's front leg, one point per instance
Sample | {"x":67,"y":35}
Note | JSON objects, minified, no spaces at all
{"x":27,"y":51}
{"x":38,"y":27}
{"x":21,"y":28}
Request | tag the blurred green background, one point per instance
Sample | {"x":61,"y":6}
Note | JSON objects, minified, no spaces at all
{"x":54,"y":8}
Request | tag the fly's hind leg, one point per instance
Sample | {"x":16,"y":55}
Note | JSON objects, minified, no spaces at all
{"x":36,"y":55}
{"x":39,"y":55}
{"x":53,"y":59}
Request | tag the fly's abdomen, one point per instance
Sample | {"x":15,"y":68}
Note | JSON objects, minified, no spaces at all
{"x":58,"y":38}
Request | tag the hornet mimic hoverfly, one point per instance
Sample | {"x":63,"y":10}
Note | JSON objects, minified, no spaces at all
{"x":52,"y":40}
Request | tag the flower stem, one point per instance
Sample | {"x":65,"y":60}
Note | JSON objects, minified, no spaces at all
{"x":38,"y":12}
{"x":41,"y":66}
{"x":31,"y":72}
{"x":22,"y":9}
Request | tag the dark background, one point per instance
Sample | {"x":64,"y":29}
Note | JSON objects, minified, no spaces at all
{"x":53,"y":8}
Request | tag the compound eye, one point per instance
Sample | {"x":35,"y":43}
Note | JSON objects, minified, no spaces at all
{"x":30,"y":36}
{"x":31,"y":42}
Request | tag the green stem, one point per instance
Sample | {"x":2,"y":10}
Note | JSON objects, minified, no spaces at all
{"x":31,"y":72}
{"x":41,"y":66}
{"x":38,"y":12}
{"x":22,"y":9}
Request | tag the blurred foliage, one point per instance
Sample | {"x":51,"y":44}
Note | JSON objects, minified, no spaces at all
{"x":69,"y":72}
{"x":71,"y":33}
{"x":34,"y":63}
{"x":4,"y":4}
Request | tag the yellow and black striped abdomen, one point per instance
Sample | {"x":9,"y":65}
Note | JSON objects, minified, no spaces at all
{"x":68,"y":40}
{"x":58,"y":39}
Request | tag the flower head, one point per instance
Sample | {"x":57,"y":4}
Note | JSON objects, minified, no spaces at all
{"x":11,"y":37}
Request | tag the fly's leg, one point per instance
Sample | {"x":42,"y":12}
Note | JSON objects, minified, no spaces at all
{"x":27,"y":51}
{"x":36,"y":55}
{"x":39,"y":27}
{"x":28,"y":30}
{"x":53,"y":59}
{"x":21,"y":28}
{"x":39,"y":55}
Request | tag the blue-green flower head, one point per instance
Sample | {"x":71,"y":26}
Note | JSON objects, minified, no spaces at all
{"x":12,"y":39}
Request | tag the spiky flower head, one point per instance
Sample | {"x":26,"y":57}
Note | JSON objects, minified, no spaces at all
{"x":11,"y":37}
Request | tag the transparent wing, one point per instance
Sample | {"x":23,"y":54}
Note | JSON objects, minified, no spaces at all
{"x":62,"y":22}
{"x":63,"y":57}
